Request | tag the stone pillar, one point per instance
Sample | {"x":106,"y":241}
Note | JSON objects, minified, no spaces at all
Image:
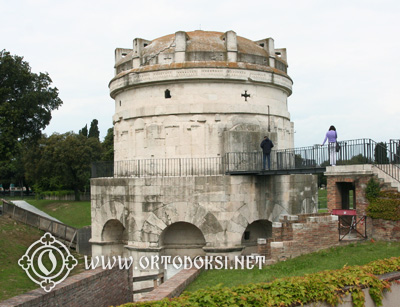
{"x":283,"y":53}
{"x":271,"y":51}
{"x":180,"y":46}
{"x":231,"y":46}
{"x":277,"y":231}
{"x":138,"y":45}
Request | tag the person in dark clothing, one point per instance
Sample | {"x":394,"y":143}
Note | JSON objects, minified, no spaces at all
{"x":266,"y":146}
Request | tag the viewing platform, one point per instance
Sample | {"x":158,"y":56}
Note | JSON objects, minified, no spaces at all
{"x":303,"y":160}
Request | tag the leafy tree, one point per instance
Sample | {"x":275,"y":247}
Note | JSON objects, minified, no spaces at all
{"x":62,"y":161}
{"x":381,"y":153}
{"x":94,"y":129}
{"x":26,"y":102}
{"x":108,"y":146}
{"x":358,"y":159}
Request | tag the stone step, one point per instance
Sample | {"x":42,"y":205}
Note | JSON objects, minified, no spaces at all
{"x":386,"y":179}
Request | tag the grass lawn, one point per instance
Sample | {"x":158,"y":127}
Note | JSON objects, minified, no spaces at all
{"x":330,"y":259}
{"x":72,"y":213}
{"x":15,"y":238}
{"x":322,"y":199}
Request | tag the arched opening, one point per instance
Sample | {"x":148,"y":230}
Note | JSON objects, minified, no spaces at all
{"x":257,"y":229}
{"x":182,"y":239}
{"x":114,"y":236}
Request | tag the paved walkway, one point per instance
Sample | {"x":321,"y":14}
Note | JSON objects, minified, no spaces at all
{"x":23,"y":204}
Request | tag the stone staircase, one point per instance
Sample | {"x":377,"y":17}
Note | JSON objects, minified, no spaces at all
{"x":386,"y":180}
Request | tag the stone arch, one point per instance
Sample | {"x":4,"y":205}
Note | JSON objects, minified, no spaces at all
{"x":113,"y":231}
{"x":182,"y":239}
{"x":255,"y":230}
{"x":114,"y":237}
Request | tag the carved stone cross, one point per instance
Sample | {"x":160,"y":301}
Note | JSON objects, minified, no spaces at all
{"x":245,"y":95}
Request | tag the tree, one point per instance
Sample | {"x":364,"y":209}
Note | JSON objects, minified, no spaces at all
{"x":84,"y":131}
{"x":62,"y":161}
{"x":381,"y":153}
{"x":94,"y":129}
{"x":26,"y":102}
{"x":108,"y":146}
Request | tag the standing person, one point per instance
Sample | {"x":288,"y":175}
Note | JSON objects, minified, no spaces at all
{"x":331,"y":136}
{"x":266,"y":146}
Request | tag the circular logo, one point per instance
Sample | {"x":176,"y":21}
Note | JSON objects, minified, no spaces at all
{"x":47,"y":262}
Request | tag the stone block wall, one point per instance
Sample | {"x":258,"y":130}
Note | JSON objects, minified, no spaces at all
{"x":91,"y":288}
{"x":173,"y":287}
{"x":221,"y":207}
{"x":385,"y":230}
{"x":297,"y":235}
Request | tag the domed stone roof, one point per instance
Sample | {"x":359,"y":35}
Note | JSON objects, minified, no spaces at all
{"x":203,"y":41}
{"x":200,"y":49}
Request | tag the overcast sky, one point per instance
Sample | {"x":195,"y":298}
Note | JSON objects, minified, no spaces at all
{"x":344,"y":56}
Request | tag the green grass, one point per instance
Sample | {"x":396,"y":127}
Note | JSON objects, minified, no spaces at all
{"x":330,"y":259}
{"x":72,"y":213}
{"x":322,"y":199}
{"x":15,"y":238}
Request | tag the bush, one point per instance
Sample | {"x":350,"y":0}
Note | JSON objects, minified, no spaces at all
{"x":327,"y":286}
{"x":386,"y":206}
{"x":42,"y":194}
{"x":372,"y":190}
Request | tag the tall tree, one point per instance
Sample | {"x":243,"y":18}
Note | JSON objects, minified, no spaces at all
{"x":108,"y":146}
{"x":94,"y":129}
{"x":84,"y":131}
{"x":26,"y":102}
{"x":381,"y":155}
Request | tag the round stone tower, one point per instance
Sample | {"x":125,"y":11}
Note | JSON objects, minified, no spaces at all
{"x":199,"y":94}
{"x":183,"y":103}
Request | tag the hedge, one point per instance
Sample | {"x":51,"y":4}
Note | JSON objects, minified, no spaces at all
{"x":386,"y":206}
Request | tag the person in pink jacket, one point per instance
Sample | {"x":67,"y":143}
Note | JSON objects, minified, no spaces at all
{"x":331,"y":136}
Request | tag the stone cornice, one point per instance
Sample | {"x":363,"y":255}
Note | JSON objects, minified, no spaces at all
{"x":145,"y":78}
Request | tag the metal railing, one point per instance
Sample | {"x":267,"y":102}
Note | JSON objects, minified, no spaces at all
{"x":351,"y":152}
{"x":394,"y":148}
{"x":178,"y":167}
{"x":385,"y":156}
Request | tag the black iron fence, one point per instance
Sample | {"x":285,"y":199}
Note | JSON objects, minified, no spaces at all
{"x":160,"y":167}
{"x":361,"y":151}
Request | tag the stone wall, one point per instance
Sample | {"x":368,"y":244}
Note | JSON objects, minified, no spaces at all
{"x":91,"y":288}
{"x":135,"y":216}
{"x":297,"y":235}
{"x":173,"y":287}
{"x":385,"y":230}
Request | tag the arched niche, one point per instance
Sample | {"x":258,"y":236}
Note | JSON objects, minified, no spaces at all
{"x":182,"y":239}
{"x":113,"y":231}
{"x":254,"y":231}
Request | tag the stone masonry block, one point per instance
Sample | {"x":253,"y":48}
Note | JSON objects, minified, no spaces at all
{"x":297,"y":226}
{"x":276,"y":244}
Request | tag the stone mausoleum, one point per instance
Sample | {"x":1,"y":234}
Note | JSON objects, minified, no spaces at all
{"x":183,"y":102}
